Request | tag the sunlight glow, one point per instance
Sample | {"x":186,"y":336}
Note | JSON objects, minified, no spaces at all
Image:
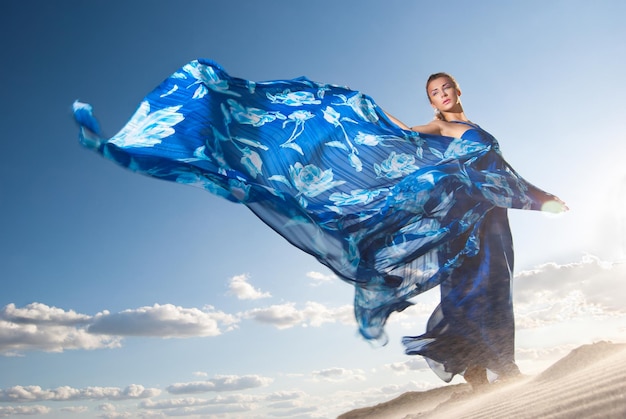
{"x":553,"y":209}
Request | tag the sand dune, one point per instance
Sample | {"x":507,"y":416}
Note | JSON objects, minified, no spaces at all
{"x":590,"y":382}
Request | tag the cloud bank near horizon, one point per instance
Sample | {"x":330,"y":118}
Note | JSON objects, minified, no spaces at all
{"x":547,"y":295}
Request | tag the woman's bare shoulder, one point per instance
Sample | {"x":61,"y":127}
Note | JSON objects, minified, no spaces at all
{"x":438,"y":127}
{"x":435,"y":127}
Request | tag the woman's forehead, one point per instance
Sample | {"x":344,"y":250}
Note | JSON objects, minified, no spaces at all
{"x":438,"y":82}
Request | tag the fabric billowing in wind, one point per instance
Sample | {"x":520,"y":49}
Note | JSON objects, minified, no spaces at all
{"x":325,"y":168}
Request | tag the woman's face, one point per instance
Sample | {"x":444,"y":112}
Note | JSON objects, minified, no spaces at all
{"x":443,"y":94}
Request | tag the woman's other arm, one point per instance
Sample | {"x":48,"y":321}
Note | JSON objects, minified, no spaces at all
{"x":397,"y":121}
{"x":433,"y":127}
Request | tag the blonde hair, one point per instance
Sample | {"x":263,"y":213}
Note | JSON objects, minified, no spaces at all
{"x":435,"y":76}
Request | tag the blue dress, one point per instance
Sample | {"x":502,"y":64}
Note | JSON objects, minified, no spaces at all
{"x":392,"y":212}
{"x":474,"y":324}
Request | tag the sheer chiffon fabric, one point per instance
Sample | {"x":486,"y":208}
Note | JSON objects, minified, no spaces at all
{"x":474,"y":324}
{"x":392,"y":212}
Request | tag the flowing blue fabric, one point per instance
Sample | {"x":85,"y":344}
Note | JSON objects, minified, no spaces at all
{"x":393,"y":212}
{"x":474,"y":324}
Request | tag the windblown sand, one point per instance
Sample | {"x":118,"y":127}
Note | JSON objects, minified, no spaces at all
{"x":590,"y":382}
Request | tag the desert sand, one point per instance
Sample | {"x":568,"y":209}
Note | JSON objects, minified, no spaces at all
{"x":590,"y":382}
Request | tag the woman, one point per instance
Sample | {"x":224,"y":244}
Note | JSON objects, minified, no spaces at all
{"x":473,"y":328}
{"x":392,"y":211}
{"x":444,"y":95}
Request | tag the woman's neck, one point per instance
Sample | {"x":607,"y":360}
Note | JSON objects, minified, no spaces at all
{"x":455,"y":116}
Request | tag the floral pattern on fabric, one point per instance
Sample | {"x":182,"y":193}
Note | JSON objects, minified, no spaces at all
{"x":324,"y":167}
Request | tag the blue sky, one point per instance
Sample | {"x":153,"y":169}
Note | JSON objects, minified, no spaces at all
{"x":124,"y":296}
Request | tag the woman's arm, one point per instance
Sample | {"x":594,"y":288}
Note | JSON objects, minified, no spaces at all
{"x":433,"y":127}
{"x":397,"y":121}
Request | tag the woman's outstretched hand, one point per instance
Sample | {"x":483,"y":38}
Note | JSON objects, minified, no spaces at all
{"x":555,"y":206}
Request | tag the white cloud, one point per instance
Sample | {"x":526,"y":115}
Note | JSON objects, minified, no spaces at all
{"x":290,"y":403}
{"x":287,"y":404}
{"x":110,"y":412}
{"x":191,"y":406}
{"x":23,"y":410}
{"x":412,"y":364}
{"x":243,"y":290}
{"x":317,"y":314}
{"x":554,"y":293}
{"x":35,"y":393}
{"x":173,"y":403}
{"x":319,"y":278}
{"x":285,"y":395}
{"x":220,"y":383}
{"x":549,"y":294}
{"x":405,"y":387}
{"x":284,"y":316}
{"x":37,"y":313}
{"x":165,"y":321}
{"x":339,"y":374}
{"x":195,"y":402}
{"x":297,"y":412}
{"x":106,"y":407}
{"x":74,"y":409}
{"x":50,"y":329}
{"x":229,"y":410}
{"x":40,"y":327}
{"x":413,"y":317}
